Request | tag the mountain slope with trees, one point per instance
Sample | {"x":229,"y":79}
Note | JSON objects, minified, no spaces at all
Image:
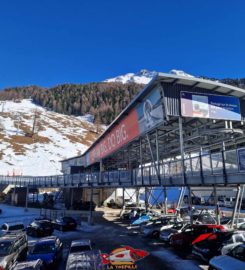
{"x":103,"y":100}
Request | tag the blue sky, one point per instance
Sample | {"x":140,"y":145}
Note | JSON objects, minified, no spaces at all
{"x":48,"y":42}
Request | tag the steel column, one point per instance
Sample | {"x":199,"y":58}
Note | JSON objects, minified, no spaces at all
{"x":90,"y":221}
{"x":236,"y":205}
{"x":27,"y":193}
{"x":181,"y":141}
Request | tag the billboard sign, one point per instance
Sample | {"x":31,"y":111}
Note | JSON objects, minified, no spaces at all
{"x":140,"y":119}
{"x":210,"y":106}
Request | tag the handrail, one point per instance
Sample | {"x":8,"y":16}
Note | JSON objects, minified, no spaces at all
{"x":210,"y":165}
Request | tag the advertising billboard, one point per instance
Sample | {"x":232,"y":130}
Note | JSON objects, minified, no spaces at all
{"x":241,"y":159}
{"x":210,"y":106}
{"x":145,"y":116}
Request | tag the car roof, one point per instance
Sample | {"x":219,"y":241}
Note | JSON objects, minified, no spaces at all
{"x":21,"y":265}
{"x":46,"y":240}
{"x":82,"y":242}
{"x":13,"y":223}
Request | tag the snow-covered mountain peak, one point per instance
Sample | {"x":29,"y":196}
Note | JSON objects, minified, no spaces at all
{"x":144,"y":76}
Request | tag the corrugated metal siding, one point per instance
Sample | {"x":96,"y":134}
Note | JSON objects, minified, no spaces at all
{"x":172,"y":97}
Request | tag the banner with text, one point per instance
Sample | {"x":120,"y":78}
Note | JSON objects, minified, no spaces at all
{"x":210,"y":106}
{"x":144,"y":117}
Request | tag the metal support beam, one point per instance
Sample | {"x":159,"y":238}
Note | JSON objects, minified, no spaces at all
{"x":72,"y":196}
{"x":146,"y":199}
{"x":190,"y":205}
{"x":90,"y":221}
{"x":217,"y":210}
{"x":27,"y":194}
{"x":137,"y":197}
{"x":153,"y":160}
{"x":181,"y":196}
{"x":123,"y":203}
{"x":236,"y":205}
{"x":240,"y":203}
{"x":181,"y":142}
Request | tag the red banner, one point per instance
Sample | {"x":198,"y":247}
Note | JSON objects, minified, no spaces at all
{"x":124,"y":132}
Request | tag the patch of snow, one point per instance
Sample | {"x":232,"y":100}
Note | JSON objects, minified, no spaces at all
{"x":174,"y":261}
{"x":87,"y":117}
{"x":39,"y":158}
{"x":180,"y":73}
{"x":144,"y":76}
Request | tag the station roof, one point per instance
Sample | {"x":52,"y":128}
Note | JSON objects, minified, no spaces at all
{"x":191,"y":82}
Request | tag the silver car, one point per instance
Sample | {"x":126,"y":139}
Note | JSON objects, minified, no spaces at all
{"x":12,"y":247}
{"x":234,"y":260}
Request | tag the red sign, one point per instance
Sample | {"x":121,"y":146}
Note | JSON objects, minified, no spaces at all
{"x":124,"y":132}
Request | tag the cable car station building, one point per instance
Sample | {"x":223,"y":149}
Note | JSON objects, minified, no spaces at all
{"x":178,"y":131}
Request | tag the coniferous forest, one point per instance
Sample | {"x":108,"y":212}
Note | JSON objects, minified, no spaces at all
{"x":103,"y":100}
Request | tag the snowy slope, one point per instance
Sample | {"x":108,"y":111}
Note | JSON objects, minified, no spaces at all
{"x":56,"y":137}
{"x":144,"y":76}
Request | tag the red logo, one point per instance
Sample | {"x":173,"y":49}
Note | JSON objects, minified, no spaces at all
{"x":125,"y":255}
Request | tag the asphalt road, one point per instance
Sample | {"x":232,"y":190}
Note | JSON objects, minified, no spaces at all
{"x":110,"y":233}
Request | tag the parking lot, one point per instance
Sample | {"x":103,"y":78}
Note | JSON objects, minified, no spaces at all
{"x":110,"y":232}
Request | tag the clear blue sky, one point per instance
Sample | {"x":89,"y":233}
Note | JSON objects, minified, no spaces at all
{"x":48,"y":42}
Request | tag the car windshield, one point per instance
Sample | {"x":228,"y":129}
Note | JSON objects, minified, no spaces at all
{"x":80,"y":248}
{"x":5,"y":248}
{"x":238,"y":253}
{"x":178,"y":226}
{"x":43,"y":248}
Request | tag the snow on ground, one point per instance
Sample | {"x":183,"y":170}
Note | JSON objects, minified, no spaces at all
{"x":175,"y":261}
{"x":57,"y":137}
{"x":17,"y":214}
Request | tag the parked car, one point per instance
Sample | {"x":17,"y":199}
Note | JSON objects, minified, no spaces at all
{"x":40,"y":228}
{"x":145,"y":217}
{"x":153,"y":229}
{"x":12,"y":227}
{"x":48,"y":249}
{"x":91,"y":259}
{"x":80,"y":246}
{"x":211,"y":246}
{"x":230,"y":202}
{"x":237,"y":222}
{"x":192,"y":234}
{"x":234,"y":260}
{"x":12,"y":248}
{"x":166,"y":234}
{"x":237,"y":238}
{"x":65,"y":224}
{"x":32,"y":265}
{"x":132,"y":213}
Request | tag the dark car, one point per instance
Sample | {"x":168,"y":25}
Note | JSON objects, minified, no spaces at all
{"x":65,"y":224}
{"x":192,"y":234}
{"x":48,"y":249}
{"x":211,"y":246}
{"x":40,"y":228}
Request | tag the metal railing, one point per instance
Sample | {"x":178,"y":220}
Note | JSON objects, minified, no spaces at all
{"x":222,"y":168}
